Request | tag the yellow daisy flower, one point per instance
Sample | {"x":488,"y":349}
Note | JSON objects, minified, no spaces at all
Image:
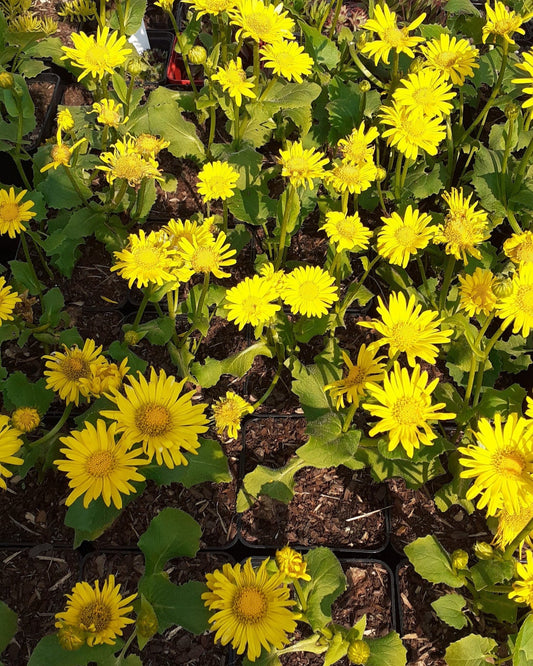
{"x":405,"y":328}
{"x":10,"y":443}
{"x":251,"y":302}
{"x":166,"y":5}
{"x":8,"y":300}
{"x":453,"y":58}
{"x":214,"y":7}
{"x":517,"y":307}
{"x":510,"y":525}
{"x":146,"y":260}
{"x":464,"y":227}
{"x":209,"y":258}
{"x":519,"y":247}
{"x":291,"y":564}
{"x":426,"y":91}
{"x":527,"y":82}
{"x":310,"y":291}
{"x":347,"y":232}
{"x":477,"y":293}
{"x":153,"y":413}
{"x":100,"y":613}
{"x":173,"y":232}
{"x":301,"y":165}
{"x":287,"y":59}
{"x":61,"y":155}
{"x":501,"y":464}
{"x":411,"y":131}
{"x":233,"y":80}
{"x":274,"y":277}
{"x":104,"y":378}
{"x":522,"y":591}
{"x":405,"y":409}
{"x":367,"y":369}
{"x":228,"y":412}
{"x":14,"y":212}
{"x":97,"y":56}
{"x":126,"y":163}
{"x":109,"y":113}
{"x":503,"y":22}
{"x":390,"y":36}
{"x":25,"y":419}
{"x":355,"y":178}
{"x":149,"y":145}
{"x":65,"y":370}
{"x":217,"y":180}
{"x":251,"y":608}
{"x":97,"y":466}
{"x":262,"y":23}
{"x":400,"y":238}
{"x":529,"y":410}
{"x":356,"y":149}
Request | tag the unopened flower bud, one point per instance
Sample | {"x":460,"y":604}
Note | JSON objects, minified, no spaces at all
{"x":358,"y":652}
{"x":135,"y":66}
{"x":197,"y":55}
{"x":459,"y":559}
{"x":511,"y":111}
{"x":502,"y":287}
{"x":71,"y":637}
{"x":361,"y":40}
{"x":365,"y":86}
{"x":6,"y":80}
{"x":25,"y":419}
{"x":131,"y":338}
{"x":483,"y":550}
{"x":381,"y":174}
{"x":417,"y":65}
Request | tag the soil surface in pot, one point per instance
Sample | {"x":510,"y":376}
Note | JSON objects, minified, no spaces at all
{"x":34,"y":583}
{"x":174,"y":646}
{"x":333,"y":507}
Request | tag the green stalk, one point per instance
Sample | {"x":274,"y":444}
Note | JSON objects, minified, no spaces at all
{"x":507,"y":151}
{"x":140,"y":200}
{"x":363,"y":69}
{"x":101,"y":18}
{"x":448,"y":273}
{"x":142,"y":307}
{"x":344,"y":201}
{"x":451,"y":153}
{"x":257,"y":70}
{"x":425,"y":282}
{"x":76,"y":186}
{"x":335,"y":19}
{"x":349,"y":416}
{"x":120,"y":194}
{"x":320,"y":26}
{"x":56,"y":428}
{"x":184,"y":57}
{"x":283,"y":230}
{"x":351,"y":293}
{"x":269,"y":390}
{"x":523,"y":166}
{"x":481,"y":370}
{"x":16,"y":157}
{"x":120,"y":15}
{"x":405,"y":169}
{"x":474,"y":361}
{"x":236,"y":112}
{"x":481,"y":117}
{"x":513,"y":222}
{"x":225,"y":216}
{"x":30,"y":264}
{"x":222,"y":37}
{"x":397,"y":176}
{"x":131,"y":86}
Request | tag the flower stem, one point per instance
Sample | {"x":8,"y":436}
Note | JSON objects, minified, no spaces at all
{"x":425,"y":281}
{"x":236,"y":112}
{"x":50,"y":434}
{"x":349,"y":416}
{"x":30,"y":264}
{"x":448,"y":272}
{"x":351,"y":293}
{"x":183,"y":56}
{"x":142,"y":307}
{"x":284,"y":223}
{"x":335,"y":19}
{"x":269,"y":390}
{"x":481,"y":370}
{"x":256,"y":68}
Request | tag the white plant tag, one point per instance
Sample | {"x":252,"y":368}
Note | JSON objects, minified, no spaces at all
{"x":140,"y":40}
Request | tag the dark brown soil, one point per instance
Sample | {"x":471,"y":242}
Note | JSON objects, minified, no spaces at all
{"x":50,"y":8}
{"x":76,"y":95}
{"x":333,"y":507}
{"x":41,"y":92}
{"x":34,"y":583}
{"x":175,"y":646}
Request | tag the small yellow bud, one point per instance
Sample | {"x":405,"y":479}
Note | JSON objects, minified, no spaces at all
{"x":459,"y":559}
{"x":131,"y":338}
{"x":197,"y":55}
{"x":135,"y":66}
{"x":483,"y":550}
{"x":291,"y":563}
{"x":25,"y":419}
{"x":65,"y":121}
{"x":71,"y":637}
{"x":365,"y":86}
{"x":502,"y":287}
{"x":61,"y":154}
{"x":358,"y":652}
{"x":512,"y":111}
{"x":381,"y":174}
{"x":6,"y":80}
{"x":417,"y":65}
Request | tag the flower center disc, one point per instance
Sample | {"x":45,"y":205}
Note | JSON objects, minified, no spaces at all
{"x":203,"y":260}
{"x":250,"y":605}
{"x":146,"y":257}
{"x":405,"y":236}
{"x":511,"y":464}
{"x":95,"y":615}
{"x":100,"y":463}
{"x":153,"y":419}
{"x":407,"y":411}
{"x":130,"y":167}
{"x":308,"y":291}
{"x":524,"y":299}
{"x":9,"y":212}
{"x":97,"y":56}
{"x":75,"y":368}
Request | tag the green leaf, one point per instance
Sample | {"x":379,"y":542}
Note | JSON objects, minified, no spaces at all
{"x":53,"y":303}
{"x":158,"y":331}
{"x":503,"y":401}
{"x":432,"y":562}
{"x":327,"y":583}
{"x":460,"y":7}
{"x":523,"y":649}
{"x":48,"y":651}
{"x":133,"y":16}
{"x":472,"y":650}
{"x":237,"y":365}
{"x":423,"y":183}
{"x":308,"y":384}
{"x":8,"y":625}
{"x":328,"y":445}
{"x":119,"y":351}
{"x":290,"y":95}
{"x":276,"y":483}
{"x":180,"y":605}
{"x":487,"y":181}
{"x":490,"y":572}
{"x":20,"y":392}
{"x":307,"y":328}
{"x":387,"y":650}
{"x":499,"y":605}
{"x":210,"y":464}
{"x":344,"y":108}
{"x":414,"y":473}
{"x":258,"y":127}
{"x":24,"y":276}
{"x":320,"y":48}
{"x":164,"y":118}
{"x":253,"y":204}
{"x":450,"y":609}
{"x":172,"y":533}
{"x":337,"y":649}
{"x":89,"y":523}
